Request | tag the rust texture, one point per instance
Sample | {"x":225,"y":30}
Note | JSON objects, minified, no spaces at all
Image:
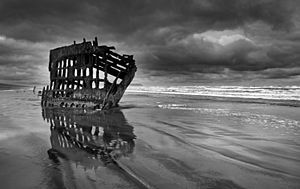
{"x":87,"y":75}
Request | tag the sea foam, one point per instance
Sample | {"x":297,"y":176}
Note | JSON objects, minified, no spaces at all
{"x":264,"y":92}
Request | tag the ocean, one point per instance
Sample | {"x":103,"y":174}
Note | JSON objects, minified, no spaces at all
{"x":288,"y":95}
{"x":159,"y":137}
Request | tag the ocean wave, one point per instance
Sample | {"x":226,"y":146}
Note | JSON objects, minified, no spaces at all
{"x":265,"y":92}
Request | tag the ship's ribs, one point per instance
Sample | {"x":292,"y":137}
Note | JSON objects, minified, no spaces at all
{"x":87,"y":75}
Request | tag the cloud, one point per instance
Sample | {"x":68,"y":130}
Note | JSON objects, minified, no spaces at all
{"x":54,"y":19}
{"x":200,"y":54}
{"x":213,"y":39}
{"x":22,"y":61}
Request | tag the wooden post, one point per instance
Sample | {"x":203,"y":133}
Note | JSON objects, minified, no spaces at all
{"x":97,"y":72}
{"x":72,"y":69}
{"x":51,"y":87}
{"x":78,"y":77}
{"x":43,"y":93}
{"x":109,"y":91}
{"x":50,"y":84}
{"x":78,"y":57}
{"x":56,"y":87}
{"x":91,"y":59}
{"x":84,"y":70}
{"x":64,"y":68}
{"x":56,"y":83}
{"x":105,"y":71}
{"x":62,"y":85}
{"x":59,"y":69}
{"x":46,"y":91}
{"x":95,"y":43}
{"x":47,"y":88}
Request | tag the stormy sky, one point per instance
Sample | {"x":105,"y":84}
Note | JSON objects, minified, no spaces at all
{"x":175,"y":42}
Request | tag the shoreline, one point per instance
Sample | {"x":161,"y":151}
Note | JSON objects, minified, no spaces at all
{"x":280,"y":102}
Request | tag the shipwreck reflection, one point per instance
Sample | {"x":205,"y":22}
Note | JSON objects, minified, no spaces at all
{"x":80,"y":136}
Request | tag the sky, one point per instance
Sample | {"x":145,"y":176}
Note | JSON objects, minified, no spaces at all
{"x":174,"y":42}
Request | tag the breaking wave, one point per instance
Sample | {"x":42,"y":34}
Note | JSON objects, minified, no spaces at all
{"x":287,"y":93}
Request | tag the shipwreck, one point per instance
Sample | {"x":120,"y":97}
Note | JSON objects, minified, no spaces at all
{"x":86,"y":75}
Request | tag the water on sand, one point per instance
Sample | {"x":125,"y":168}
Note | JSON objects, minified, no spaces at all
{"x":158,"y":140}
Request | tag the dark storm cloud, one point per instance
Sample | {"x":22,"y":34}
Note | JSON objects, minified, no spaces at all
{"x":160,"y":33}
{"x":197,"y":55}
{"x":21,"y":60}
{"x":46,"y":19}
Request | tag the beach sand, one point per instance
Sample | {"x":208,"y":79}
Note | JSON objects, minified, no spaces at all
{"x":154,"y":141}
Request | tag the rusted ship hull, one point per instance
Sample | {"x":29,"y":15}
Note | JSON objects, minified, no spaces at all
{"x":86,"y":75}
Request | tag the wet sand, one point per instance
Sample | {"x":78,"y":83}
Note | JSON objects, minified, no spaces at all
{"x":157,"y":141}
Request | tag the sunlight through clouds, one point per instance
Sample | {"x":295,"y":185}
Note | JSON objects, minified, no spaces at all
{"x":222,"y":37}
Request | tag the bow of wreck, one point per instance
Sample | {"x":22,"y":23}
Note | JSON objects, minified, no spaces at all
{"x":87,"y":75}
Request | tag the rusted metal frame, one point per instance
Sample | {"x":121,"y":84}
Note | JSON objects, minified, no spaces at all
{"x":105,"y":70}
{"x":97,"y":71}
{"x":58,"y":69}
{"x":64,"y":68}
{"x":104,"y":60}
{"x":109,"y":91}
{"x":73,"y":73}
{"x":101,"y":80}
{"x":122,"y":60}
{"x":70,"y":74}
{"x":92,"y":60}
{"x":78,"y":67}
{"x":105,"y":76}
{"x":122,"y":64}
{"x":55,"y":75}
{"x":43,"y":93}
{"x":117,"y":61}
{"x":63,"y":52}
{"x":78,"y":84}
{"x":78,"y":77}
{"x":97,"y":77}
{"x":52,"y":82}
{"x":115,"y":65}
{"x":109,"y":62}
{"x":110,"y":71}
{"x":67,"y":72}
{"x":115,"y":54}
